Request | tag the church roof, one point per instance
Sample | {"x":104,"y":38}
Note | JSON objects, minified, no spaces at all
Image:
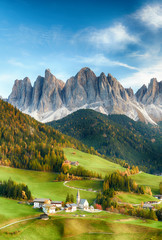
{"x":82,"y":201}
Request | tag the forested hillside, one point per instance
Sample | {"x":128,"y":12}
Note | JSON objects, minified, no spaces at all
{"x":116,"y":136}
{"x":26,"y":143}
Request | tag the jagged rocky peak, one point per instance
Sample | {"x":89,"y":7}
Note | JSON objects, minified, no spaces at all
{"x":21,"y":93}
{"x":84,"y":75}
{"x":140,"y":93}
{"x":103,"y":77}
{"x":151,"y":94}
{"x":49,"y":78}
{"x":130,"y":92}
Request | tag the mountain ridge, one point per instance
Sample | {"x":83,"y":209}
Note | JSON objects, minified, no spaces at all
{"x":116,"y":136}
{"x":51,"y":99}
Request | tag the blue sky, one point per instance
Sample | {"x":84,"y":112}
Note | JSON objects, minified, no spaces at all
{"x":118,"y":37}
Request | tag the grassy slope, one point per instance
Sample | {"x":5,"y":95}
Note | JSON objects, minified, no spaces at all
{"x":146,"y":179}
{"x":10,"y":209}
{"x":115,"y":135}
{"x":135,"y":198}
{"x":100,"y":165}
{"x":41,"y":185}
{"x":94,"y":226}
{"x":86,"y":184}
{"x":92,"y":162}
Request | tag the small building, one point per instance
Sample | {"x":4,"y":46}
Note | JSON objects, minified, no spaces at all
{"x":158,"y":197}
{"x":148,"y":206}
{"x":38,"y":202}
{"x":48,"y":208}
{"x":44,"y":217}
{"x":83,"y":204}
{"x":91,"y":208}
{"x":75,"y":163}
{"x":58,"y":204}
{"x":72,"y":207}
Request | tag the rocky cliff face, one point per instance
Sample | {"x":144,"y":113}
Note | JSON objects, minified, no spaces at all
{"x":151,"y":98}
{"x":50,"y":99}
{"x":21,"y":94}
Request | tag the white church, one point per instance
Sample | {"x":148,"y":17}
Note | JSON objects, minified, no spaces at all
{"x":81,"y":203}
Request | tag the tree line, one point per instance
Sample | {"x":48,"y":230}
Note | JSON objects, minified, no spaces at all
{"x":11,"y":189}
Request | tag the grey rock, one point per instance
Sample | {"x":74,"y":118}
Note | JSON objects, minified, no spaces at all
{"x":21,"y":94}
{"x":52,"y":99}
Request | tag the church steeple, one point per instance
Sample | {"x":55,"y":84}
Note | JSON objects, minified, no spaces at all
{"x":78,"y":198}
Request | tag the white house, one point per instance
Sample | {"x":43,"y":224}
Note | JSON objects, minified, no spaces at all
{"x":38,"y":202}
{"x":48,"y":208}
{"x":57,"y":203}
{"x":70,"y":207}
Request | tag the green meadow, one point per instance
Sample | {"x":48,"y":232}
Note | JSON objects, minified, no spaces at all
{"x":93,"y":226}
{"x":86,"y":184}
{"x":92,"y":162}
{"x":63,"y":225}
{"x":10,"y":210}
{"x":150,"y":180}
{"x":41,"y":184}
{"x":134,"y":198}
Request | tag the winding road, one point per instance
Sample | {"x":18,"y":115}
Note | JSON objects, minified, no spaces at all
{"x":86,"y":190}
{"x":23,"y":220}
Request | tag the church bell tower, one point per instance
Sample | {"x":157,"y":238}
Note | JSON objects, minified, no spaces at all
{"x":78,"y":198}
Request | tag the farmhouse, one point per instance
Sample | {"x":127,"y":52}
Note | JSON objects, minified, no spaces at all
{"x":70,"y":207}
{"x":58,"y":204}
{"x":148,"y":206}
{"x":38,"y":202}
{"x":48,"y":208}
{"x":158,"y":197}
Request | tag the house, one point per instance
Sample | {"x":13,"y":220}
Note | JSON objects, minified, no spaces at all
{"x":91,"y":208}
{"x":70,"y":207}
{"x":148,"y":206}
{"x":44,"y":217}
{"x":38,"y":202}
{"x":58,"y":204}
{"x":75,"y":163}
{"x":158,"y":197}
{"x":49,"y":208}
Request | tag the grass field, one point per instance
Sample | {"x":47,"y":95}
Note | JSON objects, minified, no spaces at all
{"x":41,"y":184}
{"x":86,"y":184}
{"x":93,"y":226}
{"x":92,"y":162}
{"x":134,"y":198}
{"x":146,"y":179}
{"x":10,"y":209}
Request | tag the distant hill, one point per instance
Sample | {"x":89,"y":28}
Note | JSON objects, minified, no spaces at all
{"x":26,"y":143}
{"x":116,"y":136}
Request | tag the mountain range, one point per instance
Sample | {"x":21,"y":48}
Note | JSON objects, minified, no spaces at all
{"x":52,"y":99}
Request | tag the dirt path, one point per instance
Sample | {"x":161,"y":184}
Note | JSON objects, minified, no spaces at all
{"x":86,"y":190}
{"x":10,"y":224}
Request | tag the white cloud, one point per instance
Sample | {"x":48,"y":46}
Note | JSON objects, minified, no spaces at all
{"x":143,"y":76}
{"x":16,"y":63}
{"x":116,"y":37}
{"x":101,"y":60}
{"x":151,"y":15}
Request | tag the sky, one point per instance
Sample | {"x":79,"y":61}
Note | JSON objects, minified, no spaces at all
{"x":123,"y":38}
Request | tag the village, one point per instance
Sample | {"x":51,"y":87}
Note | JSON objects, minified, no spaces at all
{"x":50,"y":207}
